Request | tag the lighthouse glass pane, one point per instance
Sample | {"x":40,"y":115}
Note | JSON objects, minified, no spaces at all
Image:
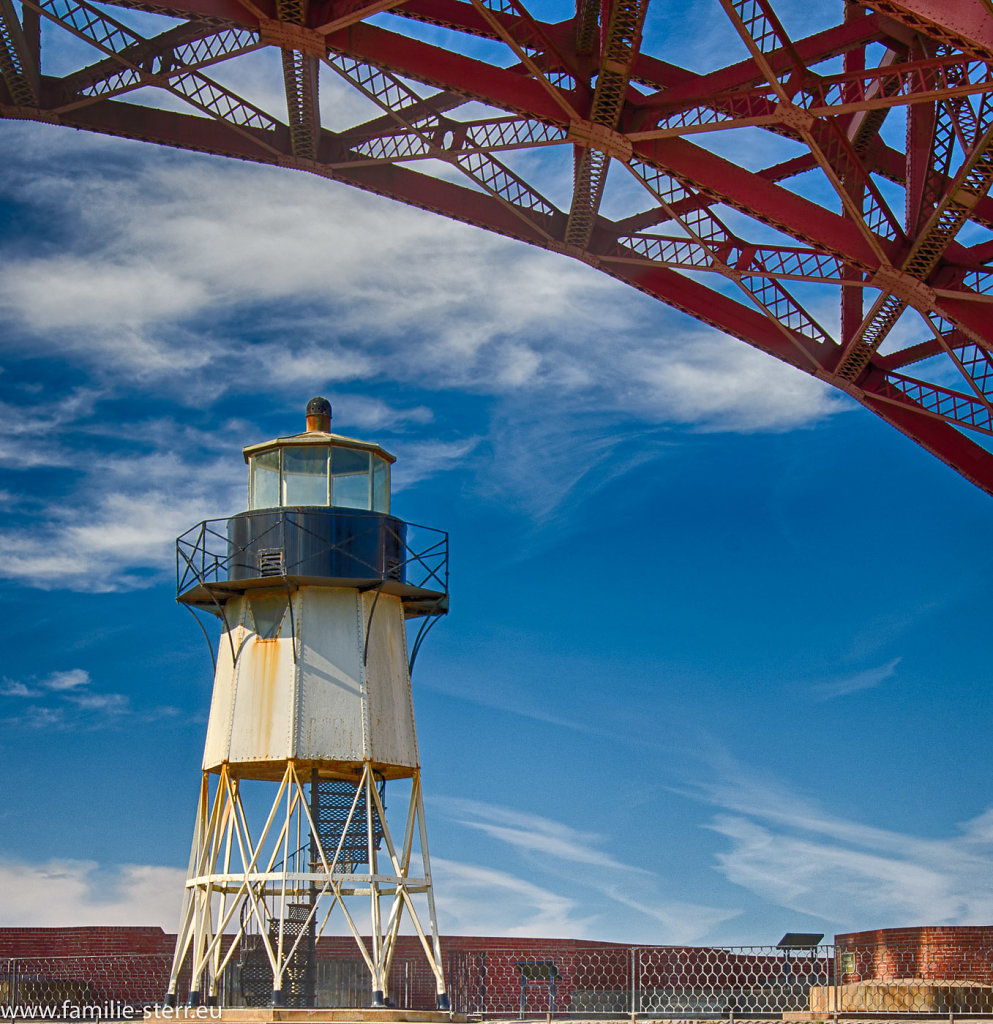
{"x":305,"y":476}
{"x":380,"y":485}
{"x":263,"y":491}
{"x":349,"y":478}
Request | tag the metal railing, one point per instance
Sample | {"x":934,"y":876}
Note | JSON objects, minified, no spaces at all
{"x":366,"y":546}
{"x":566,"y":980}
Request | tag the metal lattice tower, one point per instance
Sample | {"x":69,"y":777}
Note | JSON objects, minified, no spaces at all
{"x":884,"y":117}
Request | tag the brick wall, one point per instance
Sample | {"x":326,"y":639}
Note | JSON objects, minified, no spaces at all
{"x":84,"y":941}
{"x":941,"y":953}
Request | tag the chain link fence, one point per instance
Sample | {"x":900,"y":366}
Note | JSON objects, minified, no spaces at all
{"x":112,"y":986}
{"x":562,"y":980}
{"x":728,"y":983}
{"x":660,"y":981}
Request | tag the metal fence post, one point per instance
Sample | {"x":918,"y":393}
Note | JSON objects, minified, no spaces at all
{"x":13,"y":985}
{"x":635,"y":964}
{"x":837,"y":983}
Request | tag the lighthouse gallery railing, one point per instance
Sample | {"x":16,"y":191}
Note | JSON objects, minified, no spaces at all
{"x":341,"y":543}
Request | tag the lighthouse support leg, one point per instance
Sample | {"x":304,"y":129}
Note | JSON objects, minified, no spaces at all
{"x":443,"y":1000}
{"x":186,"y":914}
{"x":262,"y":879}
{"x":433,"y":950}
{"x":379,"y":975}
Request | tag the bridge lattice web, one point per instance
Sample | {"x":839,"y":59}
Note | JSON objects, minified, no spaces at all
{"x":492,"y":114}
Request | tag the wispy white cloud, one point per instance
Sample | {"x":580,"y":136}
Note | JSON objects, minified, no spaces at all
{"x":473,"y":900}
{"x":422,"y":460}
{"x":509,"y":697}
{"x":544,"y":462}
{"x":704,"y":379}
{"x":369,"y":413}
{"x":13,"y":688}
{"x":791,"y":852}
{"x":855,"y":682}
{"x":59,"y":682}
{"x":577,"y":862}
{"x":29,"y":429}
{"x":138,"y":491}
{"x":532,"y":833}
{"x":126,"y":542}
{"x":106,"y":703}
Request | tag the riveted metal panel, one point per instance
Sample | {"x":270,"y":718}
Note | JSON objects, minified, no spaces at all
{"x":217,"y":747}
{"x":262,"y":708}
{"x":251,"y":710}
{"x":392,"y":738}
{"x":331,"y":677}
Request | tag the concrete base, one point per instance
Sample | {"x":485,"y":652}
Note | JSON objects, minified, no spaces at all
{"x":285,"y":1015}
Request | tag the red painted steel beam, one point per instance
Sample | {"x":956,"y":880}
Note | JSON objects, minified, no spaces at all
{"x":145,"y":53}
{"x":725,"y":314}
{"x":943,"y":441}
{"x":229,"y":12}
{"x":432,"y":65}
{"x":908,"y":356}
{"x":683,"y":88}
{"x":967,"y":24}
{"x":619,"y":50}
{"x":169,"y":128}
{"x":18,"y":58}
{"x":893,"y":165}
{"x":748,"y":192}
{"x":342,"y":13}
{"x":184,"y":131}
{"x":835,"y":118}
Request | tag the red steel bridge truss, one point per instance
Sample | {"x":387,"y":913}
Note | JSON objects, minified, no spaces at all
{"x":881,"y":122}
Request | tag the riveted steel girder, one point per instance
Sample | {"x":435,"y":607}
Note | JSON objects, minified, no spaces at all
{"x":18,"y":58}
{"x":902,"y":236}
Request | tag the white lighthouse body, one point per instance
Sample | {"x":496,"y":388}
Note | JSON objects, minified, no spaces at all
{"x":314,"y":585}
{"x":328,"y":684}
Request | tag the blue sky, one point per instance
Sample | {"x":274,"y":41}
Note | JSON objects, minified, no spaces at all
{"x":717,"y":661}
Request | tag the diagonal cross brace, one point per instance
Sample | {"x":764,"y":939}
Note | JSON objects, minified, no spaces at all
{"x":117,"y":41}
{"x":772,"y":299}
{"x":970,"y":185}
{"x":185,"y":47}
{"x":18,"y":65}
{"x":392,"y":95}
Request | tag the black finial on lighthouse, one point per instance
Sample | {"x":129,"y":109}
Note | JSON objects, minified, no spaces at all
{"x":319,"y":415}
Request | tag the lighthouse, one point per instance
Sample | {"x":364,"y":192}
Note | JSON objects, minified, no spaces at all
{"x":311,"y":728}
